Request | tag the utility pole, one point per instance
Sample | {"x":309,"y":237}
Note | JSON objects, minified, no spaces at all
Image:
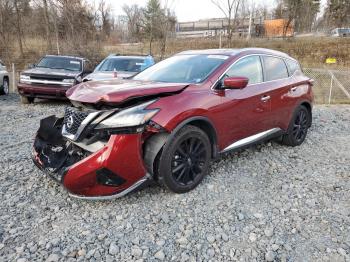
{"x":250,"y":23}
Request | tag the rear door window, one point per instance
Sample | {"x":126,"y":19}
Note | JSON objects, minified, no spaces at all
{"x":249,"y":67}
{"x":275,"y":68}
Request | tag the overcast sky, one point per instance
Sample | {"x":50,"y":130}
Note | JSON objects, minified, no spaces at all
{"x":186,"y":10}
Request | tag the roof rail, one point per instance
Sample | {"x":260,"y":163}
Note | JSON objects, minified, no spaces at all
{"x":118,"y":54}
{"x":68,"y":55}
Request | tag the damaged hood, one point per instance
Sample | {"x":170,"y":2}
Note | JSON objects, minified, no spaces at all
{"x":106,"y":75}
{"x":118,"y":91}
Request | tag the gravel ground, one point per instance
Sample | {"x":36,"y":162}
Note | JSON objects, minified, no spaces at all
{"x":266,"y":203}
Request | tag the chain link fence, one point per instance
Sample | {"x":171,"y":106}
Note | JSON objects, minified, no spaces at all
{"x":332,"y":86}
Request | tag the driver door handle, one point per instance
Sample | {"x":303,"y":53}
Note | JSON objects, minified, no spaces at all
{"x":265,"y":98}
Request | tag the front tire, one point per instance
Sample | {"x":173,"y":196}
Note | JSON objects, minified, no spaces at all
{"x":298,"y":127}
{"x":185,"y":161}
{"x":27,"y":100}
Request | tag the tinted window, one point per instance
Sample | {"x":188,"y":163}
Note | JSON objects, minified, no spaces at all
{"x":122,"y":64}
{"x":249,"y":67}
{"x":275,"y":68}
{"x":56,"y":62}
{"x":183,"y":69}
{"x":293,"y":66}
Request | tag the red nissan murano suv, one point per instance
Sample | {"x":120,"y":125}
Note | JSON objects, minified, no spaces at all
{"x":166,"y":123}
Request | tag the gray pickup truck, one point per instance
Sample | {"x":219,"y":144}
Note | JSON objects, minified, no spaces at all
{"x":4,"y":80}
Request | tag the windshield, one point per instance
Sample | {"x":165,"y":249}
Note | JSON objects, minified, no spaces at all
{"x":121,"y":64}
{"x":182,"y":69}
{"x":344,"y":31}
{"x":60,"y":63}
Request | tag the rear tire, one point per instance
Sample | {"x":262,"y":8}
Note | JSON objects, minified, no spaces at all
{"x":298,"y":127}
{"x":185,"y":161}
{"x":5,"y":87}
{"x":27,"y":100}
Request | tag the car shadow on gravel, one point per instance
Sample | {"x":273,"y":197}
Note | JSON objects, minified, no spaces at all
{"x":52,"y":102}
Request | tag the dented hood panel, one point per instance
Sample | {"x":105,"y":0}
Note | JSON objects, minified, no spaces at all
{"x":108,"y":75}
{"x":117,"y":91}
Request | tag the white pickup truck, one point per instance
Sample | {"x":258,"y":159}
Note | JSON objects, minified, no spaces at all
{"x":4,"y":80}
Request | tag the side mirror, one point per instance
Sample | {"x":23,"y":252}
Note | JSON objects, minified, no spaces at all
{"x":31,"y":66}
{"x":235,"y":83}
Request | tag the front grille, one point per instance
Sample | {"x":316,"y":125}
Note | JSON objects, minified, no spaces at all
{"x":46,"y":78}
{"x":73,"y":119}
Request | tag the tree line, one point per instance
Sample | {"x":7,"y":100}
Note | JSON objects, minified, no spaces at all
{"x":307,"y":17}
{"x":58,"y":26}
{"x":80,"y":27}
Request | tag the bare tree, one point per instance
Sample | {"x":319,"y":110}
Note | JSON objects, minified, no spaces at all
{"x":105,"y":13}
{"x":290,"y":11}
{"x":135,"y":16}
{"x":18,"y":26}
{"x":338,"y":13}
{"x":166,"y":23}
{"x":47,"y":25}
{"x":6,"y":14}
{"x":230,"y":10}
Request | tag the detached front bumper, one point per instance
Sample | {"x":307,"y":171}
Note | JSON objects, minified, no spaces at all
{"x":111,"y":172}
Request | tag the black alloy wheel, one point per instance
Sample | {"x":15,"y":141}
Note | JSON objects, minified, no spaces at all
{"x":298,"y":127}
{"x":188,"y":160}
{"x":185,"y":161}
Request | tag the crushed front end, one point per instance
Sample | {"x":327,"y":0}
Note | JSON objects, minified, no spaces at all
{"x":96,"y":154}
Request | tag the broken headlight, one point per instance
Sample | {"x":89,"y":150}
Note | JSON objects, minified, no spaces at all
{"x":132,"y":117}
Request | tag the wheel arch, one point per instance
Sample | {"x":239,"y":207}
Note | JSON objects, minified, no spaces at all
{"x":2,"y":87}
{"x":308,"y":106}
{"x":156,"y":143}
{"x":6,"y":77}
{"x":206,"y":125}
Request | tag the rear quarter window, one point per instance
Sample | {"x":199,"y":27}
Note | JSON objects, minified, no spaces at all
{"x":293,"y":66}
{"x":275,"y":68}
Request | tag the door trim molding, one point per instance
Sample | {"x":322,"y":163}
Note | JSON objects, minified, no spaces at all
{"x":252,"y":139}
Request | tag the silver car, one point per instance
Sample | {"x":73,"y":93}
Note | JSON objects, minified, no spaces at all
{"x":4,"y":80}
